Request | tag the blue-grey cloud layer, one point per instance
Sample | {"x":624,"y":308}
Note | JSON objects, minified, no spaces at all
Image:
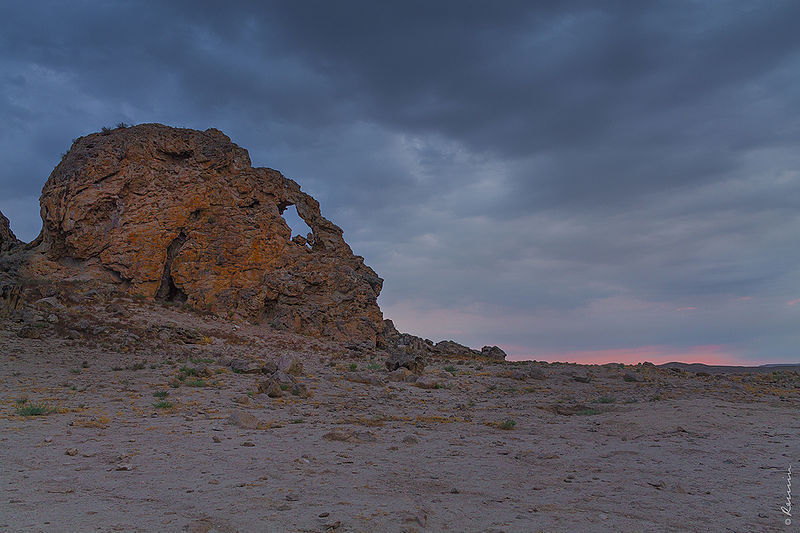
{"x":552,"y":178}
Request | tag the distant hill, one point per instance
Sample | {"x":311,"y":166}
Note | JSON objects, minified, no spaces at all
{"x":726,"y":369}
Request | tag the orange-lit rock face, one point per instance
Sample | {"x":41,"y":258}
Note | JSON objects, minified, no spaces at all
{"x":177,"y":214}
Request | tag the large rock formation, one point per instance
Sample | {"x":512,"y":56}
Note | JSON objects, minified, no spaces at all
{"x":181,"y":215}
{"x":7,"y":238}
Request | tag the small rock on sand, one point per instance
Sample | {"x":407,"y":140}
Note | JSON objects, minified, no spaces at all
{"x":245,"y":420}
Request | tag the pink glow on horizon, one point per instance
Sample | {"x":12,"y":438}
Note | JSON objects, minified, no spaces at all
{"x":438,"y":323}
{"x":709,"y":354}
{"x":687,"y":308}
{"x":790,"y":303}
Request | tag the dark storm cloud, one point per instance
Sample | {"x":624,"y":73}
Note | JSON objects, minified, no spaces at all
{"x":547,"y":175}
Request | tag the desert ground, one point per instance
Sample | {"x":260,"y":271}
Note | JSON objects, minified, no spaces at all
{"x":157,"y":419}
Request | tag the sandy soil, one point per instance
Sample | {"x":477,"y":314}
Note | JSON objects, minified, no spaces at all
{"x":660,"y":450}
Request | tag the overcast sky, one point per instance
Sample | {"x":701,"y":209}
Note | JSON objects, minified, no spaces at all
{"x":583,"y":181}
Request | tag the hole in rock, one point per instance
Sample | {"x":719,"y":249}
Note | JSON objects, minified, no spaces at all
{"x":296,"y":224}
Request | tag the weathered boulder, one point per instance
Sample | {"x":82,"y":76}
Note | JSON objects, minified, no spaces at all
{"x":414,"y":363}
{"x":493,"y":352}
{"x":181,"y":215}
{"x":252,"y":366}
{"x":453,"y":348}
{"x":7,"y":238}
{"x":271,"y":387}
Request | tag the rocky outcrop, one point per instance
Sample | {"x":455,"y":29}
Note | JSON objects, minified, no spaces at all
{"x":400,"y":344}
{"x":392,"y":339}
{"x":7,"y":238}
{"x":180,"y":215}
{"x":493,"y":352}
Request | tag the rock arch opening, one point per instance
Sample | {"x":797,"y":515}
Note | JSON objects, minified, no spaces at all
{"x":297,"y":224}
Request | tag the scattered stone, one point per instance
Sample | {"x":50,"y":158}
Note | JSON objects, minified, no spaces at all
{"x":350,"y":436}
{"x":247,"y":443}
{"x":631,"y":377}
{"x":247,"y":366}
{"x":364,"y":436}
{"x":284,"y":378}
{"x":428,"y":382}
{"x":340,"y":436}
{"x":245,"y":420}
{"x":216,"y":439}
{"x":299,"y":389}
{"x":48,"y":303}
{"x":242,"y":399}
{"x":291,"y":365}
{"x":412,"y":362}
{"x":71,"y":451}
{"x":582,"y":379}
{"x":399,"y":375}
{"x":271,"y":387}
{"x":410,"y":439}
{"x":29,"y":332}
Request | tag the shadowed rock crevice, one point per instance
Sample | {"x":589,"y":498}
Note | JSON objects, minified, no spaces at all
{"x":168,"y":291}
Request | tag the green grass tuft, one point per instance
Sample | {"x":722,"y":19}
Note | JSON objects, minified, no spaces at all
{"x":35,"y":409}
{"x":508,"y":424}
{"x":605,"y":399}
